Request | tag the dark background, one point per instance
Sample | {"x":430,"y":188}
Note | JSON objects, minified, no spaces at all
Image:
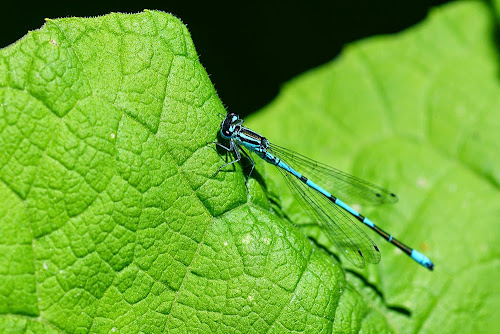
{"x":249,"y":49}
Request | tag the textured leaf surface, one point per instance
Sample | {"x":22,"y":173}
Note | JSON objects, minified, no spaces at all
{"x":112,"y":222}
{"x":418,"y":113}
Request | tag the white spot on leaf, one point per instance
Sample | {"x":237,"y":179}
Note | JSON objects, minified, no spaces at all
{"x":422,"y":182}
{"x":247,"y":239}
{"x":357,"y":207}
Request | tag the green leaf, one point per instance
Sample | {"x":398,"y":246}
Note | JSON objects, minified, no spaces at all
{"x":417,"y":113}
{"x":112,"y":221}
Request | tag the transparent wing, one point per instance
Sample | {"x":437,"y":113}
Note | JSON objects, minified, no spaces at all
{"x":348,"y":237}
{"x":342,"y":185}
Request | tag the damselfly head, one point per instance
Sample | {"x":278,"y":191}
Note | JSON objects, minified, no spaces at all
{"x":227,"y":127}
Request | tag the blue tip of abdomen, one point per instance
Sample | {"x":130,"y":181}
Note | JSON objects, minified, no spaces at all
{"x":422,"y":259}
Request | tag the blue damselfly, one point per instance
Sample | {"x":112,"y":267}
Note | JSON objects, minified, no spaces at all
{"x":326,"y":210}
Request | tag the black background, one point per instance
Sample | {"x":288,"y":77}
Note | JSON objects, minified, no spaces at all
{"x":248,"y":48}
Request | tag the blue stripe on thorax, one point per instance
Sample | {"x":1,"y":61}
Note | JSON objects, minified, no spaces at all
{"x":249,"y":142}
{"x":252,"y":141}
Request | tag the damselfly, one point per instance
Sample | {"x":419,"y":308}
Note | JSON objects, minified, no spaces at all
{"x":326,"y":210}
